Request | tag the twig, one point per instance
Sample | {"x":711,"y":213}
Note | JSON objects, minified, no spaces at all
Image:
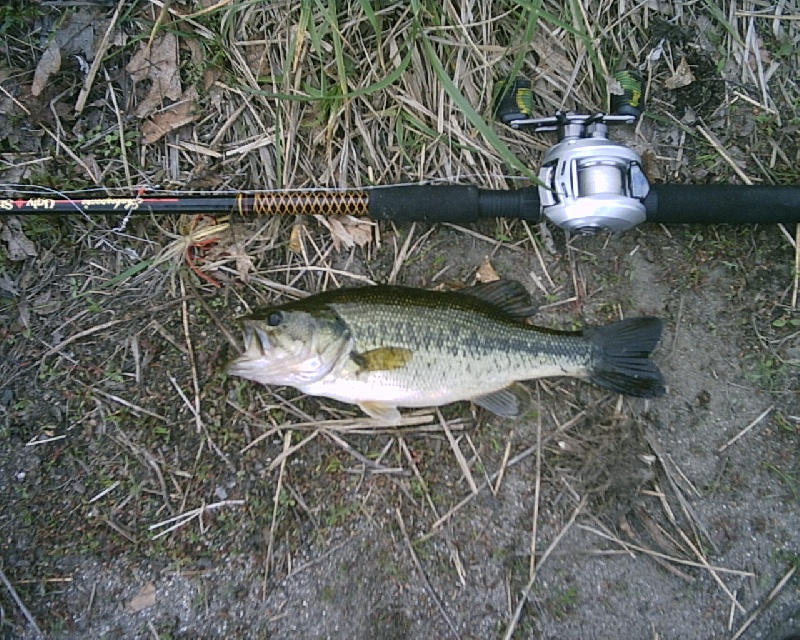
{"x":711,"y":570}
{"x":677,"y":332}
{"x":539,"y":257}
{"x":626,"y":527}
{"x":287,"y":452}
{"x":221,"y":326}
{"x":35,"y":441}
{"x":151,"y":460}
{"x":123,"y":149}
{"x":369,"y":464}
{"x":683,"y":476}
{"x":120,"y":530}
{"x":526,"y":591}
{"x":694,"y":520}
{"x":401,"y":256}
{"x":99,"y":57}
{"x":18,"y":103}
{"x":81,"y":334}
{"x":105,"y":491}
{"x":361,"y":426}
{"x":501,"y":472}
{"x":758,"y":14}
{"x":760,"y":609}
{"x":512,"y":462}
{"x":320,"y":558}
{"x":192,"y":362}
{"x":629,"y":547}
{"x":20,"y":604}
{"x":126,"y":403}
{"x":537,"y":485}
{"x":480,"y":236}
{"x":183,"y":396}
{"x":287,"y":443}
{"x":722,"y":152}
{"x":454,"y":555}
{"x":796,"y":285}
{"x":460,"y":505}
{"x":746,"y":429}
{"x":178,"y":521}
{"x":418,"y":565}
{"x":423,"y":485}
{"x":462,"y":461}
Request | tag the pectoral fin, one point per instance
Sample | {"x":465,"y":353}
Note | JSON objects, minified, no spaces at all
{"x":510,"y":402}
{"x":382,"y":359}
{"x":386,"y":413}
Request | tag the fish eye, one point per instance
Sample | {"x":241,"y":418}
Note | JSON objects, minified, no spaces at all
{"x":275,"y":318}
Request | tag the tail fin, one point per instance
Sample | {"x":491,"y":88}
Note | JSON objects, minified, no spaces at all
{"x":621,"y":357}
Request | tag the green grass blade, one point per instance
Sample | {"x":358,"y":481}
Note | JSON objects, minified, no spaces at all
{"x":473,"y":116}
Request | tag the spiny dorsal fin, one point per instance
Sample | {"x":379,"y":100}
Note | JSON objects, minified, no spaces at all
{"x":507,"y":295}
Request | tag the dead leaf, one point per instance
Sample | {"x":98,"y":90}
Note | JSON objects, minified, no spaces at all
{"x":682,"y":77}
{"x":182,"y":112}
{"x":486,"y":272}
{"x":347,"y":231}
{"x":210,"y":76}
{"x":8,"y":285}
{"x":759,"y":55}
{"x":339,"y":234}
{"x":49,"y":63}
{"x":360,"y":230}
{"x":244,"y":263}
{"x":296,"y":239}
{"x":18,"y":244}
{"x":143,"y":600}
{"x":23,"y":314}
{"x":657,"y":6}
{"x":159,"y":64}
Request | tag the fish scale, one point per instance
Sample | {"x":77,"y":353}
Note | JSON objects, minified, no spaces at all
{"x":467,"y":336}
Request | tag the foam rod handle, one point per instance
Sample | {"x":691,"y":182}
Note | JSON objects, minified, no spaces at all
{"x":452,"y":203}
{"x":722,"y":203}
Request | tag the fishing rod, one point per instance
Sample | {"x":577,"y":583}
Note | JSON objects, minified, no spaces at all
{"x":588,"y":184}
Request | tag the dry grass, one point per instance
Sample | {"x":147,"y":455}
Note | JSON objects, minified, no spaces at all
{"x":123,"y":324}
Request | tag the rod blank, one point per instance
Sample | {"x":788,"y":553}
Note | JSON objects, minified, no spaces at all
{"x":667,"y":204}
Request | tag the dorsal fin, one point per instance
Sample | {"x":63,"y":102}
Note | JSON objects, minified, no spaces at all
{"x":508,"y":295}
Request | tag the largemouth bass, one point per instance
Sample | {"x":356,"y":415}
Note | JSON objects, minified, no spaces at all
{"x":386,"y":347}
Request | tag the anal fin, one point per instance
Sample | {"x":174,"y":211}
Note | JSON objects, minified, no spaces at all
{"x":510,"y":402}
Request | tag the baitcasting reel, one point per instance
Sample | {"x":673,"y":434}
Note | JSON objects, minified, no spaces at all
{"x":589,"y":183}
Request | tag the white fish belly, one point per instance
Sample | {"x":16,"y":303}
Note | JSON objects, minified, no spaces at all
{"x":429,"y":387}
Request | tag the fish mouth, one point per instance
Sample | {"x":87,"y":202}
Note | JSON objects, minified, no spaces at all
{"x":256,"y":347}
{"x":256,"y":343}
